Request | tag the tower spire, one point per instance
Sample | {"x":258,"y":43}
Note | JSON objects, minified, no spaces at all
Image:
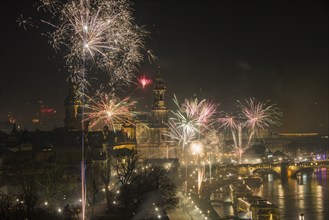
{"x":72,"y":106}
{"x":159,"y":109}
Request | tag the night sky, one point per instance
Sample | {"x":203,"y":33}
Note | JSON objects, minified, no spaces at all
{"x":220,"y":50}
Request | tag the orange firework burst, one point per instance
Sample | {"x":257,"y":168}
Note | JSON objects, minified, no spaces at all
{"x":109,"y":110}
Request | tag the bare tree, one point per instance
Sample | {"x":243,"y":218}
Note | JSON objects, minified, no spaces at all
{"x":105,"y":174}
{"x":52,"y":179}
{"x":156,"y":178}
{"x":126,"y":167}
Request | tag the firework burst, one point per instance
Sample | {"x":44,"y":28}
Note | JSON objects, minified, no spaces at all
{"x":107,"y":109}
{"x":144,"y":81}
{"x":25,"y":22}
{"x":190,"y":119}
{"x":258,"y":115}
{"x":202,"y":111}
{"x":99,"y":33}
{"x":178,"y":134}
{"x":251,"y":117}
{"x":102,"y":35}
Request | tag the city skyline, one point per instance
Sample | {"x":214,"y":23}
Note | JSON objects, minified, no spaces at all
{"x":213,"y":50}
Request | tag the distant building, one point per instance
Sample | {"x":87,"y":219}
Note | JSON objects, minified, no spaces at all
{"x":152,"y":142}
{"x":73,"y":108}
{"x":148,"y":136}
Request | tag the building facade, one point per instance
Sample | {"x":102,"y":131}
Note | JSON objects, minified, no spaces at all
{"x":151,"y":138}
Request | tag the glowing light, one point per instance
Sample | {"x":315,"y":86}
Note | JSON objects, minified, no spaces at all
{"x":36,"y":121}
{"x":11,"y":118}
{"x":196,"y":147}
{"x":47,"y":110}
{"x":144,"y":81}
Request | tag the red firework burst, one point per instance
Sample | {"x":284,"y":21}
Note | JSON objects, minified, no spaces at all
{"x":144,"y":81}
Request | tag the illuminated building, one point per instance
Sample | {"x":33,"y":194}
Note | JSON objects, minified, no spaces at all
{"x":150,"y":132}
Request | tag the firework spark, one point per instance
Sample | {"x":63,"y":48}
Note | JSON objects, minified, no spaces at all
{"x":25,"y":22}
{"x":259,"y":115}
{"x":214,"y":142}
{"x":144,"y":81}
{"x":49,"y":5}
{"x":252,"y":116}
{"x":151,"y":56}
{"x":190,"y":119}
{"x":178,"y":134}
{"x":99,"y":33}
{"x":202,"y":111}
{"x":109,"y":110}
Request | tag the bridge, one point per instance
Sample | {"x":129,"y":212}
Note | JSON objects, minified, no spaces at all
{"x":289,"y":169}
{"x":282,"y":169}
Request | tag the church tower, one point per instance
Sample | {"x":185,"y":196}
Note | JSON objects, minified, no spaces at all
{"x":72,"y":105}
{"x":159,"y":109}
{"x":152,"y":140}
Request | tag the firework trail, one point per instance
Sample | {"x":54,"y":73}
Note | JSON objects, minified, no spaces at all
{"x":100,"y":34}
{"x":151,"y":56}
{"x":178,"y":134}
{"x":252,"y":115}
{"x":107,"y":109}
{"x":191,"y":119}
{"x":201,"y":173}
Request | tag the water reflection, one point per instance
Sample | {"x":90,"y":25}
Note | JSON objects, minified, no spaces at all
{"x":307,"y":193}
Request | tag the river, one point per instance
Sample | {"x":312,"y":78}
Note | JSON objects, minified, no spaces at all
{"x":307,"y":194}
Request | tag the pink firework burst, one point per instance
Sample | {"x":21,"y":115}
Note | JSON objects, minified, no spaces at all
{"x":144,"y":81}
{"x":258,"y":114}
